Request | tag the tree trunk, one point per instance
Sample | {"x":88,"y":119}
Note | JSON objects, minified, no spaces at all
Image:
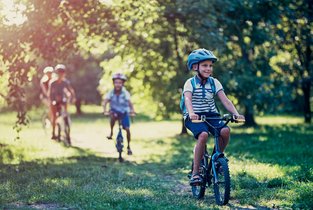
{"x":184,"y":129}
{"x":250,"y":122}
{"x":306,"y":88}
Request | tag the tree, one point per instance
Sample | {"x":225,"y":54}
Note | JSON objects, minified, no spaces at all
{"x":240,"y":33}
{"x":51,"y":33}
{"x":295,"y":37}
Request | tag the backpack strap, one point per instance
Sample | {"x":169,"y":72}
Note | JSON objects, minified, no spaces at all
{"x":212,"y":83}
{"x":182,"y":100}
{"x":193,"y":83}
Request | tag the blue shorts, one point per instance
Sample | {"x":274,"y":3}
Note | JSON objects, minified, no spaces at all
{"x":124,"y":118}
{"x":197,"y":128}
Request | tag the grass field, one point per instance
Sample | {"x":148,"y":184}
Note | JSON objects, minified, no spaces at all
{"x":271,"y":166}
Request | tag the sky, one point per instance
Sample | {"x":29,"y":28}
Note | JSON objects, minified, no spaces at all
{"x":12,"y":12}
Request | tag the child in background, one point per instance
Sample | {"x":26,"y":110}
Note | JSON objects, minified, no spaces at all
{"x":120,"y":107}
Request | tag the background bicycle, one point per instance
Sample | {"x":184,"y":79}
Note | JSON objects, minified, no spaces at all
{"x":63,"y":123}
{"x":219,"y":174}
{"x":45,"y":121}
{"x":119,"y":140}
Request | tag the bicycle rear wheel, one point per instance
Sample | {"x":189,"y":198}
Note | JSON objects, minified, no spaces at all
{"x":198,"y":191}
{"x":221,"y":182}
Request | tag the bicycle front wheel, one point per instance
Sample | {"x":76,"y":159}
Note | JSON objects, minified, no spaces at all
{"x":198,"y":191}
{"x":67,"y":129}
{"x":221,"y":182}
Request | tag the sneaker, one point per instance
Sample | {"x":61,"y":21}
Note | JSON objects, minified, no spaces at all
{"x":195,"y":179}
{"x":54,"y":137}
{"x":129,"y":151}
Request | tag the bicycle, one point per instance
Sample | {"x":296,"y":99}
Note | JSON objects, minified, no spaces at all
{"x":119,"y":140}
{"x":218,"y":175}
{"x":63,"y":122}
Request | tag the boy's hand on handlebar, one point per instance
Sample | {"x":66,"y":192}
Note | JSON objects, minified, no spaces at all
{"x":239,"y":118}
{"x":106,"y":113}
{"x":132,"y":113}
{"x":193,"y":116}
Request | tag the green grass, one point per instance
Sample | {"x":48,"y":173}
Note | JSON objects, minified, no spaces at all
{"x":271,"y":166}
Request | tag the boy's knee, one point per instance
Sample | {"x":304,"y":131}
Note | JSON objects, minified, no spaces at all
{"x":203,"y":136}
{"x":225,"y":132}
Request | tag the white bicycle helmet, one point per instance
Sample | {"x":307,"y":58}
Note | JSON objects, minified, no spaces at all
{"x":48,"y":69}
{"x":119,"y":76}
{"x":60,"y":68}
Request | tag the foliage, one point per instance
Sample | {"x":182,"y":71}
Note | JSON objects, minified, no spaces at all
{"x":149,"y":41}
{"x":294,"y":35}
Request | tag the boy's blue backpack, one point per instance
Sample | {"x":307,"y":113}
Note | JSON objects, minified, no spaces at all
{"x":193,"y":83}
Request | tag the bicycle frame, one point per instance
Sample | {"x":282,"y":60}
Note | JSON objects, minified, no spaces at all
{"x":63,"y":122}
{"x":119,"y":138}
{"x":216,"y":153}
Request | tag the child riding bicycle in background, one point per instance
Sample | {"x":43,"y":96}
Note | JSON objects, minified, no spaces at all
{"x":199,"y":92}
{"x":59,"y":91}
{"x":44,"y":85}
{"x":120,"y":106}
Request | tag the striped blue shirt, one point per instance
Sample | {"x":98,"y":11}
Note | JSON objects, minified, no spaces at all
{"x":202,"y":96}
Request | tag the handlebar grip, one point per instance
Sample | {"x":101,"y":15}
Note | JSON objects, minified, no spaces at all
{"x":240,"y":120}
{"x":197,"y":121}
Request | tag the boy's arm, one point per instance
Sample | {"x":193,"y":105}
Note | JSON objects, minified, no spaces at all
{"x":43,"y":89}
{"x":229,"y":106}
{"x":71,"y":90}
{"x":188,"y":104}
{"x":131,"y":106}
{"x":105,"y":102}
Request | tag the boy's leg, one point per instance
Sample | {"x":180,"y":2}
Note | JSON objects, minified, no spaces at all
{"x":199,"y":151}
{"x":224,"y":138}
{"x":129,"y":151}
{"x":201,"y":133}
{"x":126,"y":127}
{"x":112,"y":123}
{"x":53,"y":120}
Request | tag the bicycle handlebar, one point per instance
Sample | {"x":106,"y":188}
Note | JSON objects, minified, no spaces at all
{"x":226,"y":117}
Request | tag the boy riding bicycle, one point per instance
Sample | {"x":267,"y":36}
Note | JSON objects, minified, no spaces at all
{"x":44,"y":85}
{"x":59,"y":90}
{"x":199,"y":92}
{"x":120,"y":107}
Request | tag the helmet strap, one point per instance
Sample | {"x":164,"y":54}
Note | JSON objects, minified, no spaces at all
{"x":203,"y":79}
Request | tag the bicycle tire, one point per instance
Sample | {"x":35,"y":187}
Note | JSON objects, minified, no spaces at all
{"x":221,"y":183}
{"x":59,"y":129}
{"x":119,"y":146}
{"x":198,"y":191}
{"x":67,"y":130}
